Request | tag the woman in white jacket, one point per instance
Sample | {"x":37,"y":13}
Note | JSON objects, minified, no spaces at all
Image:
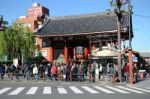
{"x":35,"y":72}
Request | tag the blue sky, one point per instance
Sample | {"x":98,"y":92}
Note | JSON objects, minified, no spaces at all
{"x":12,"y":9}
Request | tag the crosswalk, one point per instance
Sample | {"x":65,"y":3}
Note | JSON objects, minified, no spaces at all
{"x":47,"y":90}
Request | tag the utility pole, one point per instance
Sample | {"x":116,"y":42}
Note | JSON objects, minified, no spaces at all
{"x":130,"y":46}
{"x":117,"y":9}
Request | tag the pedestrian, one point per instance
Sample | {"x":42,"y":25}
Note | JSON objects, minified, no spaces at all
{"x":116,"y":75}
{"x":135,"y":73}
{"x":27,"y":71}
{"x":12,"y":69}
{"x":147,"y":70}
{"x":49,"y":71}
{"x":68,"y":70}
{"x":93,"y":72}
{"x":108,"y":72}
{"x":54,"y":72}
{"x":126,"y":72}
{"x":78,"y":73}
{"x":44,"y":72}
{"x":112,"y":73}
{"x":6,"y":69}
{"x":40,"y":70}
{"x":1,"y":71}
{"x":61,"y":71}
{"x":9,"y":71}
{"x":18,"y":68}
{"x":82,"y":72}
{"x":35,"y":72}
{"x":95,"y":64}
{"x":64,"y":70}
{"x":58,"y":71}
{"x":100,"y":70}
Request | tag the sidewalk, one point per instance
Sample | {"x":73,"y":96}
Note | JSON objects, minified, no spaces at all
{"x":102,"y":82}
{"x":143,"y":84}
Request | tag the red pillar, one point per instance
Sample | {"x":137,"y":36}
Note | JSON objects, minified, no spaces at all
{"x":74,"y":54}
{"x":86,"y":52}
{"x":66,"y":54}
{"x":51,"y":54}
{"x":130,"y":67}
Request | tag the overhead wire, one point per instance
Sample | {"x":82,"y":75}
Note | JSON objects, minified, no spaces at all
{"x":141,"y":16}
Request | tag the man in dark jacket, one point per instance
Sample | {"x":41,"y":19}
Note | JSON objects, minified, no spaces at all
{"x":2,"y":71}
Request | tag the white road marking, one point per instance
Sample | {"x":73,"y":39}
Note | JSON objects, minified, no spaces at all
{"x":89,"y":89}
{"x":32,"y":90}
{"x":47,"y":90}
{"x":17,"y":91}
{"x":75,"y":89}
{"x":4,"y":90}
{"x":132,"y":90}
{"x":103,"y":89}
{"x":62,"y":91}
{"x":145,"y":90}
{"x":116,"y":89}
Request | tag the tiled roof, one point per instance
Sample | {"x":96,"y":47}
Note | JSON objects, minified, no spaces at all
{"x":145,"y":54}
{"x":87,"y":23}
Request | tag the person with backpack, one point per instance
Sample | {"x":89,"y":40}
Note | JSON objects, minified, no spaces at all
{"x":12,"y":69}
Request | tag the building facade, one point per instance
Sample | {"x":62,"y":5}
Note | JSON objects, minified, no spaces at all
{"x":36,"y":16}
{"x":77,"y":36}
{"x":146,"y":56}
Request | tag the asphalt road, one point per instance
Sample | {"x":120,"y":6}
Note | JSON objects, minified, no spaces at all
{"x":57,"y":90}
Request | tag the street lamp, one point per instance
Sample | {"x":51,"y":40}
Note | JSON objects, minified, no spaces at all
{"x":117,"y":9}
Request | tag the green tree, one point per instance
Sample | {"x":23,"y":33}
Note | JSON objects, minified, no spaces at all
{"x":2,"y":43}
{"x":17,"y":41}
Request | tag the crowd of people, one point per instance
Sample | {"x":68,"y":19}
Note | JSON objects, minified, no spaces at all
{"x":52,"y":71}
{"x":72,"y":71}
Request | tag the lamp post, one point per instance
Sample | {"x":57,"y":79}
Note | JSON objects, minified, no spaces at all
{"x":117,"y":9}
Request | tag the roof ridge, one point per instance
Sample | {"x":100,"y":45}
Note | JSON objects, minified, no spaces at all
{"x":77,"y":16}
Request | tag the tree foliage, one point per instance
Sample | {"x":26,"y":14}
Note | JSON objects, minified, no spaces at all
{"x":16,"y":41}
